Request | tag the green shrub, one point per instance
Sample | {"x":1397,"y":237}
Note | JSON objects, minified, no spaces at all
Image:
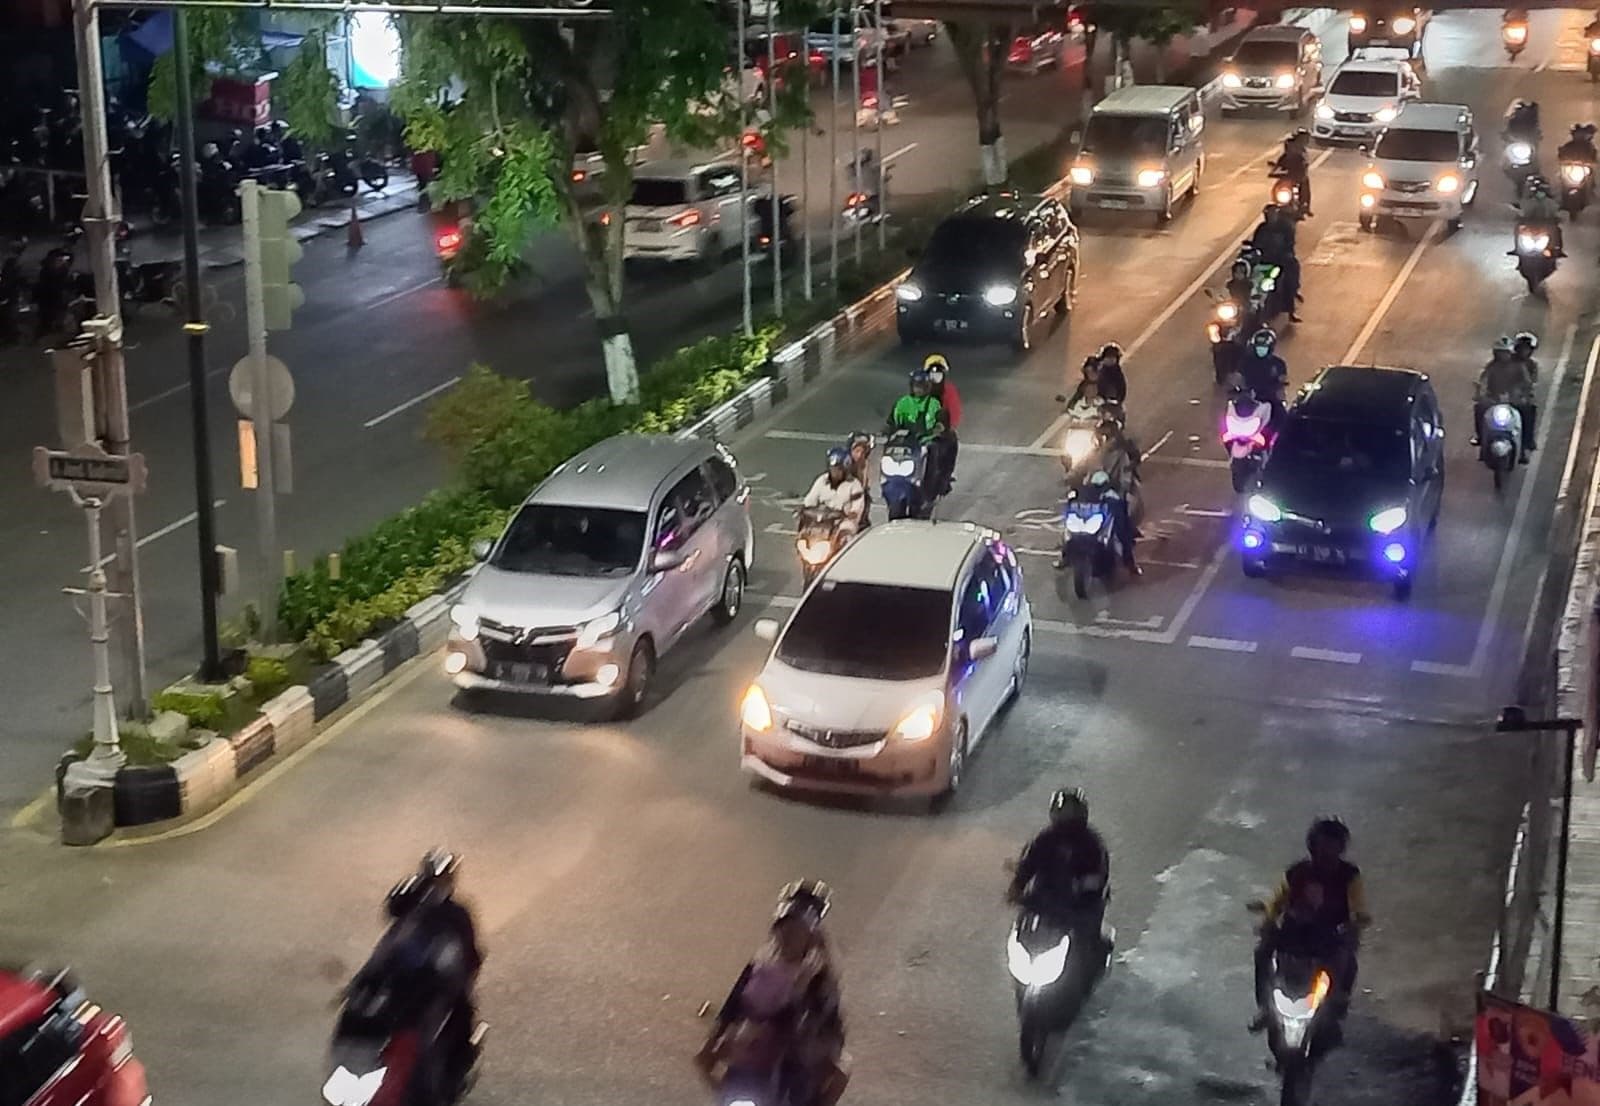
{"x":473,"y":411}
{"x":207,"y":710}
{"x":268,"y":675}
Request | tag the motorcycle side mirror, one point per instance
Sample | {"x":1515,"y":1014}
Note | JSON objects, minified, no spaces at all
{"x":983,"y":648}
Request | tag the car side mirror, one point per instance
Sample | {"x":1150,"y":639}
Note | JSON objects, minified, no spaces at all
{"x":983,"y":648}
{"x":481,"y":548}
{"x":766,"y":629}
{"x":665,"y":560}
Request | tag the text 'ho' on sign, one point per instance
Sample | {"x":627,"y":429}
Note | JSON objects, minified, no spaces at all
{"x":89,"y":470}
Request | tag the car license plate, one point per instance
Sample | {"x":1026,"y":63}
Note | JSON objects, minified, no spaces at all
{"x":520,"y":673}
{"x":1117,"y":205}
{"x":648,"y":226}
{"x":950,"y":324}
{"x":1322,"y":554}
{"x":831,"y":766}
{"x":1350,"y":132}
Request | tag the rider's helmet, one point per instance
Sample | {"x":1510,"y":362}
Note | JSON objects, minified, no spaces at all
{"x":1328,"y":829}
{"x":1504,"y":346}
{"x":433,"y":881}
{"x":1069,"y":807}
{"x":209,"y":150}
{"x":1524,"y":343}
{"x":1111,"y":351}
{"x":862,"y":440}
{"x":807,"y":898}
{"x":936,"y":367}
{"x":921,"y":382}
{"x":1241,"y":269}
{"x":1263,"y":342}
{"x":838,"y":457}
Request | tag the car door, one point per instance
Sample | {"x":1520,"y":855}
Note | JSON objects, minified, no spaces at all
{"x":1043,"y":271}
{"x":719,"y":193}
{"x":685,"y":549}
{"x":729,"y":518}
{"x":979,"y":685}
{"x":1428,"y":432}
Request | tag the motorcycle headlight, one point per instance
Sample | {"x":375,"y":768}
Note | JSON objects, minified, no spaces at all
{"x":1037,"y":971}
{"x":1594,"y":46}
{"x":1404,"y":25}
{"x":1149,"y":178}
{"x":1520,"y":153}
{"x":1533,"y":243}
{"x":908,"y":292}
{"x":1285,"y":81}
{"x":597,"y":629}
{"x":1324,"y":111}
{"x":1231,"y":80}
{"x":1081,"y":175}
{"x":1358,"y":23}
{"x":1449,"y":184}
{"x":1000,"y":295}
{"x":1086,"y":524}
{"x":1018,"y":960}
{"x":922,"y":720}
{"x":1387,"y":521}
{"x":1264,"y":509}
{"x":815,"y":552}
{"x":1079,"y":444}
{"x":1574,"y":172}
{"x":1372,"y":179}
{"x":465,"y":619}
{"x":1227,"y":312}
{"x":1501,"y":415}
{"x":903,"y":466}
{"x":754,"y":710}
{"x":1386,"y":115}
{"x":345,"y":1088}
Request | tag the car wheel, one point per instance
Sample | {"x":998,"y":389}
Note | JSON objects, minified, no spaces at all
{"x":636,"y":685}
{"x":1254,"y":569}
{"x":1402,"y":588}
{"x":1024,"y":339}
{"x":1165,"y":214}
{"x":732,"y":597}
{"x":1366,"y":222}
{"x":1454,"y":224}
{"x":958,"y":764}
{"x":1019,"y":669}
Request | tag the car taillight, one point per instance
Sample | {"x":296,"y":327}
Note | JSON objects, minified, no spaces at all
{"x":687,"y":219}
{"x":1019,"y":50}
{"x":750,"y":141}
{"x":448,"y":240}
{"x":579,"y":176}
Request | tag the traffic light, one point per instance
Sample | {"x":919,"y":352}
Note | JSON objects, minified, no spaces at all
{"x":279,"y":251}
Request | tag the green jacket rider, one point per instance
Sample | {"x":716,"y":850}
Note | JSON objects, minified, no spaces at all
{"x":919,"y":411}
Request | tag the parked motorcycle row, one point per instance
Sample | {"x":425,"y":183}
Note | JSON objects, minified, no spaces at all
{"x":60,"y":297}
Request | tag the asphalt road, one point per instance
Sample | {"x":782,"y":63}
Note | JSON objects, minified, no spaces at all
{"x":622,"y":874}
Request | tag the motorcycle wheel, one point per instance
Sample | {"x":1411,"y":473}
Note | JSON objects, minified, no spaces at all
{"x":1499,"y":476}
{"x":1296,"y":1076}
{"x":1240,"y":469}
{"x":375,"y":175}
{"x":1031,"y":1040}
{"x":1081,"y":571}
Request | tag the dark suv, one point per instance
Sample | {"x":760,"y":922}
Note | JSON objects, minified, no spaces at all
{"x":1355,"y":478}
{"x":1395,"y":27}
{"x":991,"y":271}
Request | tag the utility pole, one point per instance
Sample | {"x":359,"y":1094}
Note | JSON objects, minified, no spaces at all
{"x":777,"y":196}
{"x":805,"y":187}
{"x":194,"y":330}
{"x":833,"y":161}
{"x":877,"y":128}
{"x":260,"y":407}
{"x":856,"y":17}
{"x":100,"y":219}
{"x":744,"y":172}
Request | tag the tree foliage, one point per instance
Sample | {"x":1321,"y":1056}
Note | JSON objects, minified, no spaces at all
{"x":1158,"y":24}
{"x":217,"y":36}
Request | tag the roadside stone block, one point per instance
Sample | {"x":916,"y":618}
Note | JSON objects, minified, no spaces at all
{"x":252,"y":745}
{"x":431,"y":617}
{"x":363,"y":667}
{"x":293,"y":716}
{"x":168,"y":727}
{"x":206,"y":776}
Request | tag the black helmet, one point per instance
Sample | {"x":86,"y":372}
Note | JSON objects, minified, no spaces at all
{"x":1069,"y":806}
{"x":1241,"y":268}
{"x":1328,"y":828}
{"x":1301,"y":134}
{"x":1263,"y":342}
{"x":1111,"y":350}
{"x":1525,"y":338}
{"x":436,"y":874}
{"x":920,"y":377}
{"x":804,"y":898}
{"x":1268,"y":210}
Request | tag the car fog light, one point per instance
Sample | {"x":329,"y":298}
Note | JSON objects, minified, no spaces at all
{"x":455,"y":663}
{"x":606,"y":675}
{"x":1252,"y":539}
{"x":1394,"y":553}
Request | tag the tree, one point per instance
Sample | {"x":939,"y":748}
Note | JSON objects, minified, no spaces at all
{"x":1157,"y":24}
{"x":981,"y":51}
{"x":539,"y":92}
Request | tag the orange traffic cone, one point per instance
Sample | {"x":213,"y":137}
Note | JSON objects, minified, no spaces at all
{"x":353,"y":238}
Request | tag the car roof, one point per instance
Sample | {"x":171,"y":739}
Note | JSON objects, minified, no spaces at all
{"x":1275,"y":32}
{"x":1370,"y":393}
{"x":622,"y":473}
{"x":1144,"y":99}
{"x":678,"y":168}
{"x":908,"y":553}
{"x":999,"y":205}
{"x":22,"y":1002}
{"x":1374,"y":65}
{"x":1433,"y":117}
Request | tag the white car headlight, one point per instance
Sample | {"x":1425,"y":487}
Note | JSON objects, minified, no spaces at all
{"x":598,"y":628}
{"x":1372,"y":179}
{"x":1386,"y":115}
{"x":1404,"y":25}
{"x":1081,"y":175}
{"x":1387,"y":521}
{"x":1264,"y":509}
{"x":1036,"y":971}
{"x":908,"y":292}
{"x":1000,"y":295}
{"x":465,"y":619}
{"x":345,"y":1088}
{"x":754,"y":710}
{"x":1324,"y":111}
{"x":922,"y":720}
{"x":1231,"y":80}
{"x":1285,"y":80}
{"x":1449,"y":184}
{"x":1149,"y":178}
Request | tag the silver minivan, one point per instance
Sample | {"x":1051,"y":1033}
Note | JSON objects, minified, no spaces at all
{"x":1277,"y":67}
{"x":602,"y":569}
{"x":1142,"y":150}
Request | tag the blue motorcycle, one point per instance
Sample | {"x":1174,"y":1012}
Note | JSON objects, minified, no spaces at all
{"x":1089,"y":543}
{"x":905,"y":471}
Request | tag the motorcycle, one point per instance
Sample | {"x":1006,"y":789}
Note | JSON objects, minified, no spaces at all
{"x":63,"y":297}
{"x":1285,"y":191}
{"x":349,"y":166}
{"x":217,"y":191}
{"x":1052,"y":975}
{"x":143,"y":283}
{"x":1225,"y":332}
{"x":11,"y":295}
{"x":1078,"y":451}
{"x":818,"y":540}
{"x":1520,"y":160}
{"x":1302,"y":1026}
{"x":1536,"y":258}
{"x":1577,"y":185}
{"x":1090,"y":546}
{"x":1247,"y":436}
{"x":904,"y":466}
{"x":1500,"y":440}
{"x":1515,"y":36}
{"x":859,"y":207}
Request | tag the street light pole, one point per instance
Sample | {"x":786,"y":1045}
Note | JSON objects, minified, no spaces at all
{"x":777,"y":198}
{"x":100,"y":219}
{"x":805,"y":187}
{"x":1515,"y":720}
{"x":194,"y":330}
{"x":855,"y":114}
{"x":833,"y":161}
{"x":877,"y":127}
{"x":744,"y":175}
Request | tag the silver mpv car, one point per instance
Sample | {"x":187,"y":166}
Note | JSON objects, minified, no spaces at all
{"x":602,"y":569}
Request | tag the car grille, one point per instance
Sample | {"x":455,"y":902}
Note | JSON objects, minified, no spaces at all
{"x":835,"y":739}
{"x":1257,"y":82}
{"x":1410,"y":185}
{"x":1352,"y":117}
{"x":546,"y":646}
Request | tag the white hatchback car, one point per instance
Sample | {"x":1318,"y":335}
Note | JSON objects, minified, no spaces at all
{"x":899,"y":658}
{"x":1363,"y":98}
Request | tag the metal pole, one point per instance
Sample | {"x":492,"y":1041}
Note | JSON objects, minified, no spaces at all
{"x":777,"y":195}
{"x":833,"y":161}
{"x":744,"y":174}
{"x":805,"y":190}
{"x":100,"y":218}
{"x":195,"y":332}
{"x":883,"y":101}
{"x":260,"y":408}
{"x":855,"y":117}
{"x":1569,"y":737}
{"x":107,"y":755}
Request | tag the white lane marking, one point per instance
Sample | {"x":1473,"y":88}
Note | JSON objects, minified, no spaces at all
{"x":1072,"y":629}
{"x":1001,"y":450}
{"x":159,"y":396}
{"x":1390,"y":295}
{"x":1203,"y":513}
{"x":410,"y":403}
{"x":1435,"y":668}
{"x":906,"y":149}
{"x":1228,"y":253}
{"x":400,"y":293}
{"x":155,"y":535}
{"x":1332,"y":656}
{"x":1226,"y":644}
{"x":1161,"y":441}
{"x":1192,"y":600}
{"x":1101,"y":618}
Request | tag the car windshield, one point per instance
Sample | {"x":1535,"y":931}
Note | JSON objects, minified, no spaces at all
{"x":572,"y":541}
{"x":1133,"y":136}
{"x":982,"y":242}
{"x":1343,"y":449}
{"x":1364,"y":82}
{"x":825,"y":26}
{"x":1410,"y":145}
{"x":659,"y":192}
{"x":870,"y":631}
{"x":1261,"y":54}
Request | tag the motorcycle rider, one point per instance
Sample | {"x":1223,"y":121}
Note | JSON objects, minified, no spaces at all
{"x":1506,"y":379}
{"x":1521,"y":122}
{"x":838,"y":490}
{"x":1065,"y":870}
{"x":783,"y":1012}
{"x":1113,"y":381}
{"x":1541,"y":209}
{"x":944,"y":390}
{"x":1274,"y":238}
{"x":859,"y":448}
{"x":922,"y":414}
{"x":1320,"y":906}
{"x":1295,"y":165}
{"x":424,"y":907}
{"x":1264,"y":372}
{"x":1522,"y":349}
{"x":1119,"y":460}
{"x":1579,"y":146}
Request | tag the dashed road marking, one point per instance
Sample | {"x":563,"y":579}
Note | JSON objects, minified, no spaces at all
{"x":1436,"y":668}
{"x":1225,"y":644}
{"x":1332,"y":656}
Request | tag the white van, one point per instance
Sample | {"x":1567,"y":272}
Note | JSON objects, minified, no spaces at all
{"x":1424,"y":166}
{"x":1142,"y":150}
